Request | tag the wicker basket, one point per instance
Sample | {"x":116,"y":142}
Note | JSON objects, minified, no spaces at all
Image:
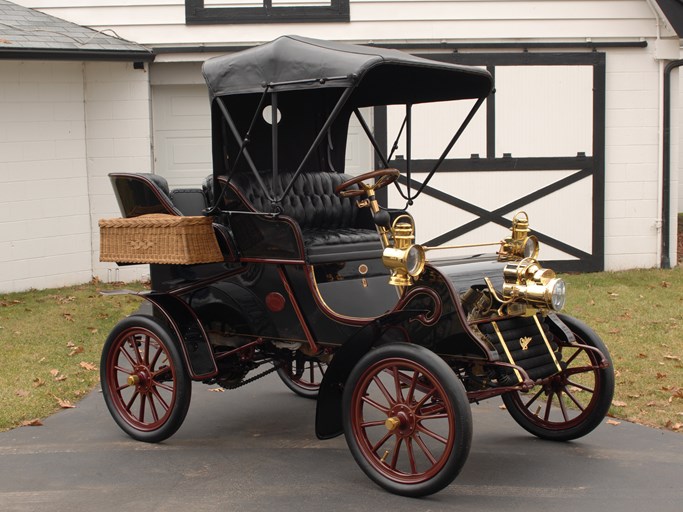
{"x":158,"y":238}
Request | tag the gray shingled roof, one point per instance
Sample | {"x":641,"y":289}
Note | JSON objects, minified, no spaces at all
{"x":27,"y":33}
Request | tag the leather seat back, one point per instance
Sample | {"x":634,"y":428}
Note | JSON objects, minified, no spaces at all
{"x":312,"y":200}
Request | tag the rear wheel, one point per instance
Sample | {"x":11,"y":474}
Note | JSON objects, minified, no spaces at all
{"x":407,"y":419}
{"x":303,"y":374}
{"x":144,"y":384}
{"x":572,"y":403}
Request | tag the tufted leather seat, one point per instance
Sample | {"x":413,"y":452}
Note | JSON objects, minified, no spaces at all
{"x":333,"y":228}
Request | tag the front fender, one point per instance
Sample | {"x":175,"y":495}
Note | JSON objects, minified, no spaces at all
{"x":328,"y":414}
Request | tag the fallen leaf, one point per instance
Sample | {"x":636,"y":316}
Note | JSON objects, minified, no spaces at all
{"x":54,"y":372}
{"x":614,"y":331}
{"x":88,"y":366}
{"x":32,"y":423}
{"x":76,"y":350}
{"x":673,"y":426}
{"x":642,"y":356}
{"x":650,"y":404}
{"x":63,"y":403}
{"x":502,"y":407}
{"x":37,"y":382}
{"x":661,"y":375}
{"x":613,"y":295}
{"x":633,"y":396}
{"x":93,"y":330}
{"x":68,"y":317}
{"x":22,"y":393}
{"x":613,"y":422}
{"x":70,"y":344}
{"x":665,"y":284}
{"x":618,"y":403}
{"x":60,"y":378}
{"x":217,"y":390}
{"x":672,"y":358}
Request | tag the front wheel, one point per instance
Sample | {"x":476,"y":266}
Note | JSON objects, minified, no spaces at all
{"x":407,"y":419}
{"x":572,"y":403}
{"x":144,"y":383}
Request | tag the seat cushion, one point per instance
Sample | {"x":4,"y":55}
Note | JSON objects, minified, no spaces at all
{"x":341,"y":244}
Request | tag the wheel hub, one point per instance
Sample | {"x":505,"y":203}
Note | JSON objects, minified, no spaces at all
{"x":141,"y":379}
{"x":401,"y":420}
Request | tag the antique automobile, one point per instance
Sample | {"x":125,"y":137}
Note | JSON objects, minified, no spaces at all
{"x":280,"y":262}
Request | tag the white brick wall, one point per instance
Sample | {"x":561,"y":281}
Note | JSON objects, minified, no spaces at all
{"x":45,"y":221}
{"x":63,"y":127}
{"x":118,"y":131}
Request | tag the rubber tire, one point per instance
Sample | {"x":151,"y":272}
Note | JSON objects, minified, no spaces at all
{"x":183,"y":384}
{"x":604,"y":382}
{"x":455,"y":393}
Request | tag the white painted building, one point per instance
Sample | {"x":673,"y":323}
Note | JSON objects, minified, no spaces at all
{"x":575,"y":125}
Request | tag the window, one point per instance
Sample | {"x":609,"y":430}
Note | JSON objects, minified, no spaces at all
{"x":265,"y":11}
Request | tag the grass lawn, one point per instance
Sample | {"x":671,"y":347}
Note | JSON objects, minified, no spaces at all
{"x":50,"y":344}
{"x":639,"y":315}
{"x":51,"y":340}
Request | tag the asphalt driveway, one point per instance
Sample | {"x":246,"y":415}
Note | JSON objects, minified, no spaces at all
{"x":254,"y":449}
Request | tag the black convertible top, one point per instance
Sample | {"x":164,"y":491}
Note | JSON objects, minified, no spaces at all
{"x":381,"y":76}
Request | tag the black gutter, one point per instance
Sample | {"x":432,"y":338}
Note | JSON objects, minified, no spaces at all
{"x":666,"y":163}
{"x":89,"y":55}
{"x":428,"y":46}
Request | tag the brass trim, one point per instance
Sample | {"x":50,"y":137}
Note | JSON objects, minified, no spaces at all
{"x":507,"y":351}
{"x":547,"y":343}
{"x":392,"y":423}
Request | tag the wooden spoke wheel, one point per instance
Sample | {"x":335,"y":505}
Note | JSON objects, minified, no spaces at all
{"x":572,"y":403}
{"x":303,"y":375}
{"x":143,"y":379}
{"x":407,"y":419}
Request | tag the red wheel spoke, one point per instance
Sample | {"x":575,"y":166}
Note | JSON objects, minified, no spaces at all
{"x":124,"y":386}
{"x":411,"y":388}
{"x":384,"y":391}
{"x":381,"y":442}
{"x":165,"y":386}
{"x":160,"y":398}
{"x":397,"y":384}
{"x":143,"y":401}
{"x":581,"y":386}
{"x":425,"y":449}
{"x":146,"y":354}
{"x":375,"y":423}
{"x":127,"y":371}
{"x":563,"y":407}
{"x":427,"y":396}
{"x":153,"y":408}
{"x":431,"y":434}
{"x":548,"y":405}
{"x":573,"y":399}
{"x":411,"y":455}
{"x":574,"y":355}
{"x":432,"y":410}
{"x":397,"y":452}
{"x":125,"y":353}
{"x":155,"y":359}
{"x":132,"y":399}
{"x":374,"y":404}
{"x":533,"y":399}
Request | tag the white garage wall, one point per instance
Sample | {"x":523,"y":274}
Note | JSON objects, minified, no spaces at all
{"x":44,"y":207}
{"x":118,"y":120}
{"x":63,"y":127}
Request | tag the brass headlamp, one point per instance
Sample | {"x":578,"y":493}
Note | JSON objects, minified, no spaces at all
{"x":519,"y":244}
{"x":527,"y":280}
{"x":405,"y":259}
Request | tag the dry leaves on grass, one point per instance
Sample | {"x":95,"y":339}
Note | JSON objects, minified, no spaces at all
{"x":614,"y":423}
{"x":88,"y":366}
{"x":619,"y":403}
{"x":673,"y":426}
{"x":56,"y":375}
{"x":64,"y":403}
{"x":32,"y":423}
{"x":68,"y":317}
